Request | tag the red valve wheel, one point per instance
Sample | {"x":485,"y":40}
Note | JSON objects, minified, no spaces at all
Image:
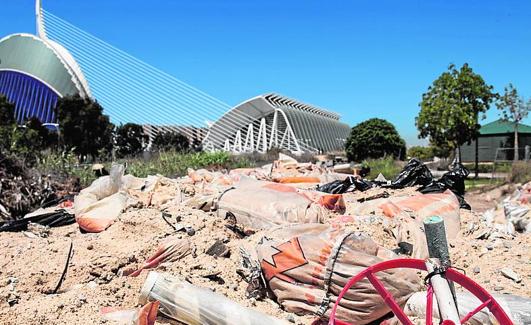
{"x":486,"y":299}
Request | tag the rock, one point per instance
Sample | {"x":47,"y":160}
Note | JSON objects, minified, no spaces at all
{"x":290,"y":318}
{"x":90,"y":247}
{"x":190,"y":231}
{"x":490,"y":247}
{"x":498,"y":288}
{"x":510,"y":274}
{"x":12,"y":298}
{"x":218,"y":249}
{"x":476,"y":269}
{"x":483,"y":235}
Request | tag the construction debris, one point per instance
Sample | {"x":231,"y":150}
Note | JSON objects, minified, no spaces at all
{"x":263,"y":250}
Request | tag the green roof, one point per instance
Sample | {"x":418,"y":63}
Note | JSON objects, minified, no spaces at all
{"x":502,"y":127}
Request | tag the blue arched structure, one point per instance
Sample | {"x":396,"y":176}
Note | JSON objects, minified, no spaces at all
{"x":35,"y":73}
{"x":31,"y":97}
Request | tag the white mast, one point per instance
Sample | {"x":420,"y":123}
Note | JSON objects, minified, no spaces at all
{"x":41,"y":32}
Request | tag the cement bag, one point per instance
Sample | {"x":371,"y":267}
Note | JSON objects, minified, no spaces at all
{"x":97,"y":206}
{"x":517,"y":308}
{"x":307,"y":266}
{"x":260,"y":205}
{"x":154,"y":190}
{"x":408,"y":213}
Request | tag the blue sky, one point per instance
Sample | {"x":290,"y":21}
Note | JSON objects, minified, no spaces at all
{"x":361,"y":59}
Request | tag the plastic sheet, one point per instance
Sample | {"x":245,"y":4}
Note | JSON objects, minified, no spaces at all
{"x":145,"y":315}
{"x":517,"y":308}
{"x":306,"y":266}
{"x":414,"y":173}
{"x":189,"y":304}
{"x":454,"y":181}
{"x":97,"y":206}
{"x":51,"y":217}
{"x":349,"y":184}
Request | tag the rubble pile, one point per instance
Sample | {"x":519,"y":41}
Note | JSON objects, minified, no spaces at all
{"x":274,"y":244}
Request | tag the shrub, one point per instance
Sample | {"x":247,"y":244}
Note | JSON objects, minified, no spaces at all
{"x":374,"y":138}
{"x":422,"y":153}
{"x":520,"y":172}
{"x":387,"y":166}
{"x":171,"y":141}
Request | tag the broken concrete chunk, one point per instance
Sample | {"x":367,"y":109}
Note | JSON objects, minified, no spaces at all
{"x":218,"y":249}
{"x":510,"y":274}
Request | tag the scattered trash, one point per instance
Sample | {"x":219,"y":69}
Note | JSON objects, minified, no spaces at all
{"x":65,"y":269}
{"x":517,"y":308}
{"x":146,"y":315}
{"x":50,"y":217}
{"x":189,"y":304}
{"x":172,"y":249}
{"x":350,"y":184}
{"x":380,"y":179}
{"x":299,"y":241}
{"x":218,"y":249}
{"x":97,"y":206}
{"x":454,"y":181}
{"x":414,"y":173}
{"x":382,"y":195}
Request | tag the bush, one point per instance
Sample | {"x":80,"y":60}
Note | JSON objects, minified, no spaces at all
{"x":387,"y":166}
{"x":520,"y":172}
{"x":374,"y":138}
{"x":422,"y":153}
{"x":171,"y":141}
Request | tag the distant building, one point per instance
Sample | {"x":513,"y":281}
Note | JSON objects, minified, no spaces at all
{"x":194,"y":134}
{"x":274,"y":121}
{"x":496,"y":141}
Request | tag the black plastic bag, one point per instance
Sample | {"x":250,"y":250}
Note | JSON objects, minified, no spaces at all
{"x":453,"y":180}
{"x":414,"y":173}
{"x":350,"y":184}
{"x":52,"y":219}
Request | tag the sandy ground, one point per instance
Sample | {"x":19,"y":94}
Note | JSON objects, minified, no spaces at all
{"x":30,"y":268}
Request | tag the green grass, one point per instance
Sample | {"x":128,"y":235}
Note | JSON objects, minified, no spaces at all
{"x":169,"y":164}
{"x":503,"y":167}
{"x":387,"y":166}
{"x":471,"y":183}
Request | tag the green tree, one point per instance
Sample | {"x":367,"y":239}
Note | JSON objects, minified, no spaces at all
{"x":451,"y":108}
{"x":165,"y":141}
{"x":83,"y":126}
{"x":7,"y":112}
{"x":374,"y":138}
{"x":513,"y":109}
{"x":7,"y":123}
{"x":130,"y":140}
